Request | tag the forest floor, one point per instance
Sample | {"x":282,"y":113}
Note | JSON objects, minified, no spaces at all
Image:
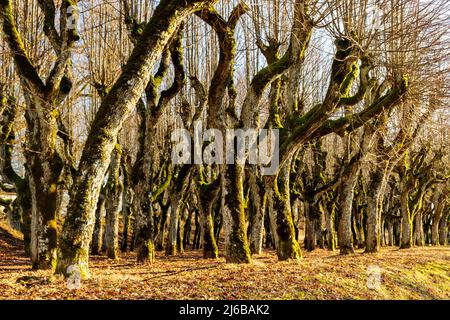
{"x":418,"y":273}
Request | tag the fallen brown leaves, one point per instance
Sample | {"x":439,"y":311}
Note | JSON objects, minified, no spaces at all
{"x":419,"y":273}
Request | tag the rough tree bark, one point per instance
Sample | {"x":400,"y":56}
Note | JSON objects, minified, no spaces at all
{"x":114,"y":189}
{"x":345,"y":236}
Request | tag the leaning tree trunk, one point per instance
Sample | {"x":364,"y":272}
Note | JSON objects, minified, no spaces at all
{"x":115,"y":107}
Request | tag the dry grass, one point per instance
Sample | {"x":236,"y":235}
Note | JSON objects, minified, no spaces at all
{"x":419,"y":273}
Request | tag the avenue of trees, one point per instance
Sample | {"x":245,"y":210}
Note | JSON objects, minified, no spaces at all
{"x":91,"y":91}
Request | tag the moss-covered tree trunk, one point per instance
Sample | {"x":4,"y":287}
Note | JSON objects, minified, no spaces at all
{"x":439,"y":205}
{"x":115,"y":107}
{"x":45,"y":169}
{"x":373,"y":213}
{"x":418,"y":236}
{"x":145,"y":232}
{"x":345,"y":236}
{"x":21,"y":206}
{"x":288,"y":247}
{"x":208,"y":194}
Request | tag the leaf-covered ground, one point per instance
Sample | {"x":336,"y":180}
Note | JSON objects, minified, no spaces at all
{"x":419,"y":273}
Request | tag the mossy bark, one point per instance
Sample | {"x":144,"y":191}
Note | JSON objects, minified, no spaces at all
{"x":439,"y":205}
{"x":114,"y":191}
{"x":443,"y":229}
{"x":208,"y":194}
{"x":97,"y":233}
{"x":330,"y":213}
{"x":44,"y":163}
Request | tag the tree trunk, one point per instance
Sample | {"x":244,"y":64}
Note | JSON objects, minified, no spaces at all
{"x":145,"y":231}
{"x":97,"y":234}
{"x":374,"y":199}
{"x":359,"y":228}
{"x":44,"y":176}
{"x":113,"y":205}
{"x":127,"y":200}
{"x":310,"y":232}
{"x":329,"y":220}
{"x":162,"y":227}
{"x":439,"y":205}
{"x":288,"y":247}
{"x":406,"y":233}
{"x":208,"y":195}
{"x":419,"y":239}
{"x":181,"y":223}
{"x":345,"y":210}
{"x":443,"y":229}
{"x":175,"y":203}
{"x":236,"y":245}
{"x":257,"y":222}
